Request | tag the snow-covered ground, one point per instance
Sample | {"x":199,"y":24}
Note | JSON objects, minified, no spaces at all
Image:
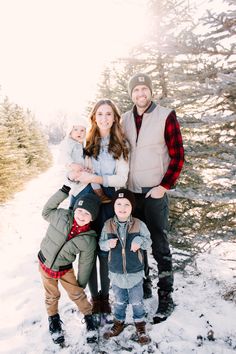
{"x":200,"y":291}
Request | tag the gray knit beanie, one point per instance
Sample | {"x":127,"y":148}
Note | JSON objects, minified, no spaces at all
{"x":139,"y":79}
{"x":89,"y":202}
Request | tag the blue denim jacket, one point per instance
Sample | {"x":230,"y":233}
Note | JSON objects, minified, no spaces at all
{"x":105,"y":163}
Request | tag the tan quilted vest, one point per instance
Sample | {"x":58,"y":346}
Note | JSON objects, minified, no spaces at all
{"x":149,"y":158}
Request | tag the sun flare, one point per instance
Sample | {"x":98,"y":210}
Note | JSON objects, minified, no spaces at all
{"x":56,"y":50}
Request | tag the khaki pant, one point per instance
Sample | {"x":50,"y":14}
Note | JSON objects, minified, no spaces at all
{"x":69,"y":283}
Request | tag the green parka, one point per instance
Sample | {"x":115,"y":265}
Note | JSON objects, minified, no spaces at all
{"x":55,"y":251}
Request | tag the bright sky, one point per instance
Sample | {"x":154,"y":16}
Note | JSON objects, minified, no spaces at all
{"x":52,"y":51}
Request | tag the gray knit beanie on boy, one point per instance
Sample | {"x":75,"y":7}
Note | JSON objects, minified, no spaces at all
{"x":89,"y":202}
{"x":139,"y":79}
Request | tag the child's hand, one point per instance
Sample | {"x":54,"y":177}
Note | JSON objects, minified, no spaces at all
{"x":74,"y":176}
{"x":87,"y":169}
{"x":112,"y":242}
{"x":134,"y":247}
{"x":76,"y":167}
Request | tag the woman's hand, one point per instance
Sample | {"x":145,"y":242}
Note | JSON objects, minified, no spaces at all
{"x":86,"y":177}
{"x":76,"y":167}
{"x":74,"y":176}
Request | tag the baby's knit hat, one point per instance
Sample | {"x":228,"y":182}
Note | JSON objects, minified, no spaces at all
{"x":139,"y":79}
{"x":76,"y":119}
{"x":124,"y":193}
{"x":89,"y":202}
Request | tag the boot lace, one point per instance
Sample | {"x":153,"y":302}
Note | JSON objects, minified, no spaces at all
{"x":140,"y":328}
{"x":115,"y":327}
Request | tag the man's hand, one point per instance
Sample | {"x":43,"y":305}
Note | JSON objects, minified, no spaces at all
{"x":112,"y":242}
{"x":156,"y":192}
{"x":134,"y":247}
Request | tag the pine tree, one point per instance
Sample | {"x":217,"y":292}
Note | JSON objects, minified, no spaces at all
{"x":39,"y":156}
{"x":193,"y":72}
{"x":23,"y":149}
{"x":13,"y":121}
{"x":219,"y":42}
{"x":9,"y":178}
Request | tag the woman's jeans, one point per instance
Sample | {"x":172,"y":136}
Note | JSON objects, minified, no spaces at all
{"x":86,"y":190}
{"x":132,"y":296}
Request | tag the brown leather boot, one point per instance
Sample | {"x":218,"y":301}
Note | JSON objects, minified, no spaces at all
{"x":105,"y":304}
{"x":142,"y":337}
{"x":96,"y":303}
{"x":115,"y":330}
{"x":104,"y":199}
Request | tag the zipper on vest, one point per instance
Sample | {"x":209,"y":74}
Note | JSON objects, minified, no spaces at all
{"x":124,"y":259}
{"x":123,"y":251}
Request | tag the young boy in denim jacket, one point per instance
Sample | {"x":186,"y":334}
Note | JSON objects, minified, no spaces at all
{"x":125,"y":237}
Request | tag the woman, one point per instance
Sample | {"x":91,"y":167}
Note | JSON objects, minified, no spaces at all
{"x":108,"y":150}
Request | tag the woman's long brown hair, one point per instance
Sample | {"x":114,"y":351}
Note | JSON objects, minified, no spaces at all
{"x":118,"y":144}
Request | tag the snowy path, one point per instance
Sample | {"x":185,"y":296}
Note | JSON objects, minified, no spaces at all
{"x":23,"y":321}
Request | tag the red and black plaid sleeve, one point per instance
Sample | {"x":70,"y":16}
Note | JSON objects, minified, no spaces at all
{"x":174,"y":143}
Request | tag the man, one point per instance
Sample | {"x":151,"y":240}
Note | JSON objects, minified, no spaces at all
{"x":156,"y":160}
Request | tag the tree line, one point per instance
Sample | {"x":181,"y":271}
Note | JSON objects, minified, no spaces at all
{"x":192,"y":64}
{"x":24,"y":151}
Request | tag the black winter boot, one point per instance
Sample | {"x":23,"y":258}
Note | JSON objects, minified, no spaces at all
{"x":55,"y":329}
{"x":147,"y":288}
{"x":165,"y":306}
{"x":91,"y":328}
{"x":105,"y":304}
{"x":106,"y":316}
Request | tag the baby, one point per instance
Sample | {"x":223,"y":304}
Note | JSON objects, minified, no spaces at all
{"x":72,"y":154}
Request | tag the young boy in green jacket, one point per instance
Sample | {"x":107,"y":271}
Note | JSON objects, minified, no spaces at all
{"x":68,"y":234}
